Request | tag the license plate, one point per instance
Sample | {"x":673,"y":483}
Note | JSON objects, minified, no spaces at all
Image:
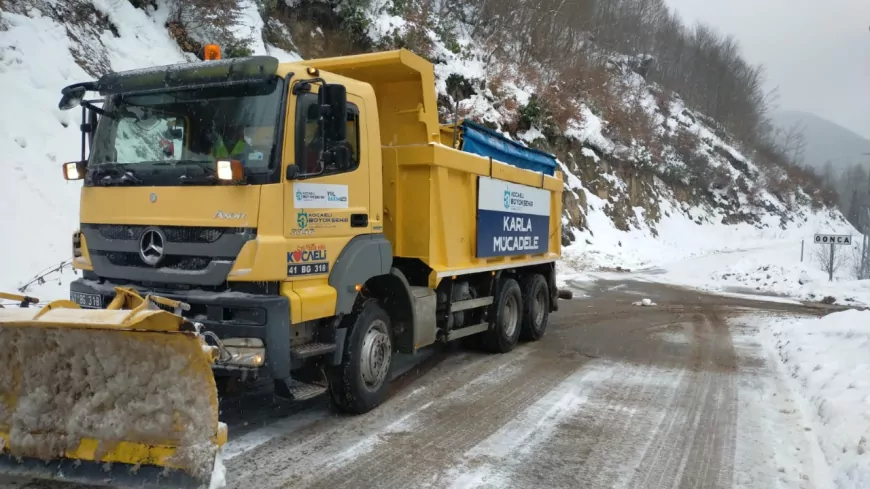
{"x":307,"y":269}
{"x":93,"y":301}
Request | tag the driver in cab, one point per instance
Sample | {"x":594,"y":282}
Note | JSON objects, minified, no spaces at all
{"x":232,"y":144}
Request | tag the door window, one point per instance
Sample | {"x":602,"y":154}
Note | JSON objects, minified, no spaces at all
{"x":309,"y":143}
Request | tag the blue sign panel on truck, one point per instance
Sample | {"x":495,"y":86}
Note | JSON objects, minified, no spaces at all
{"x":512,"y":219}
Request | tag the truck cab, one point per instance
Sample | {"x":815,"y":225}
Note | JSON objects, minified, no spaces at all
{"x":291,"y":208}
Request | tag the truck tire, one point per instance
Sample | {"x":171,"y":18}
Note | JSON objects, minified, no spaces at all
{"x":536,"y":310}
{"x":360,"y":382}
{"x":506,"y":319}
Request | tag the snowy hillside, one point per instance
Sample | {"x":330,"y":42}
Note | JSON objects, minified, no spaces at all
{"x":662,"y":185}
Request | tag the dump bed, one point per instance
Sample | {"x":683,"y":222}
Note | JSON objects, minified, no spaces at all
{"x":455,"y":210}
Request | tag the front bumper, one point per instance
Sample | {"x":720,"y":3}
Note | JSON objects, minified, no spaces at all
{"x":226,"y":314}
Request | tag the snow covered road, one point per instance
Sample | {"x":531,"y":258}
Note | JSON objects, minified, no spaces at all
{"x":679,"y":395}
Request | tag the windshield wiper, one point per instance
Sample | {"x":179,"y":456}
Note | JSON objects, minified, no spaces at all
{"x":208,"y":175}
{"x":103,"y":175}
{"x":198,"y":179}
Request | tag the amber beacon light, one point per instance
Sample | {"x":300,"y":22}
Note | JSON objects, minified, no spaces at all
{"x":211,"y":52}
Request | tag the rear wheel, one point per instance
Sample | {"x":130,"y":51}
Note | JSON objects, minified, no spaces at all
{"x":360,"y":382}
{"x":505,"y":319}
{"x":536,"y":312}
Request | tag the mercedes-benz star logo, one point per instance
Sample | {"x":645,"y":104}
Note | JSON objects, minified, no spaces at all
{"x":151,"y":246}
{"x":152,"y":198}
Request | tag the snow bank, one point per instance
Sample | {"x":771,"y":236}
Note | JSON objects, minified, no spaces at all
{"x":828,"y":359}
{"x":757,"y":264}
{"x":694,"y":248}
{"x":805,"y":280}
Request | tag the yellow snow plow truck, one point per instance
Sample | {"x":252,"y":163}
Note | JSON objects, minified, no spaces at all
{"x":247,"y":219}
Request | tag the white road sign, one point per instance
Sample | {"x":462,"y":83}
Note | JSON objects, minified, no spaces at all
{"x":833,"y":239}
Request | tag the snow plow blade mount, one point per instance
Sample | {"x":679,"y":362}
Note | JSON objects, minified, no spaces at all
{"x":123,"y":396}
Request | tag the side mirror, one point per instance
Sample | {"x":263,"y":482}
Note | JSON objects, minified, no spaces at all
{"x":176,"y":133}
{"x":333,"y":103}
{"x":74,"y":170}
{"x":292,"y":172}
{"x":341,"y":156}
{"x":72,"y":96}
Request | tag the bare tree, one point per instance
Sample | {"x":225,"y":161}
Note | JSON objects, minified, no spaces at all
{"x":794,"y":143}
{"x":860,"y":263}
{"x":828,"y":174}
{"x":567,"y":39}
{"x":829,"y":261}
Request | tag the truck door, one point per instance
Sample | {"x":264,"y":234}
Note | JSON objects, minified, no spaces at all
{"x":325,"y":206}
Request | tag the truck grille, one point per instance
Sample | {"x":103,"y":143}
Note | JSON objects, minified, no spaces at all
{"x":175,"y":262}
{"x":200,"y":256}
{"x":175,"y":234}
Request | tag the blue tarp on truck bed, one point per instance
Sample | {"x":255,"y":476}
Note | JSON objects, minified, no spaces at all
{"x":485,"y":142}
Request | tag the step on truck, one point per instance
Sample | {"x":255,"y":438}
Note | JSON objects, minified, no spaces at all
{"x":306,"y":221}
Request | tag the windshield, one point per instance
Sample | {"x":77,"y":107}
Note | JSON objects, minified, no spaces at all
{"x":155,"y":134}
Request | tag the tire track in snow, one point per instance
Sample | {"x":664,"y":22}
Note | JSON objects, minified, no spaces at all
{"x":718,"y":414}
{"x":584,"y":440}
{"x":623,"y":439}
{"x":453,"y":425}
{"x":525,"y":433}
{"x":690,"y":450}
{"x":321,"y":449}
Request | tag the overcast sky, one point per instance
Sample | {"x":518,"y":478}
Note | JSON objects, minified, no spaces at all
{"x":816,"y":51}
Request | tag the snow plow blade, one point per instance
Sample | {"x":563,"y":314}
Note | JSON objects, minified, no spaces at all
{"x":121,"y":397}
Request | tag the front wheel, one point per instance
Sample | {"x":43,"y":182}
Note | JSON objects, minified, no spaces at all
{"x":360,"y":382}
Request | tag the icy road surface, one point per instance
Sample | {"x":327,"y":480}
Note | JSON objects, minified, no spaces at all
{"x":677,"y":395}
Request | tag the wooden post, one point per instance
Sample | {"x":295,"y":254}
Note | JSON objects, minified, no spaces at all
{"x":802,"y":251}
{"x":831,"y":267}
{"x":863,"y":258}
